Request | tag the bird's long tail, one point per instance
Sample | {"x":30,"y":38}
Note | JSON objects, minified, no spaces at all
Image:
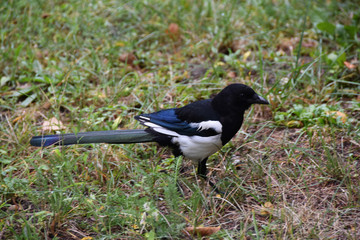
{"x":113,"y":136}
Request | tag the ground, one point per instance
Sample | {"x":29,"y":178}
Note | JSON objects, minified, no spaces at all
{"x":292,"y":171}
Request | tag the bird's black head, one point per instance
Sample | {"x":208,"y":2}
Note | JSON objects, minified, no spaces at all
{"x":236,"y":97}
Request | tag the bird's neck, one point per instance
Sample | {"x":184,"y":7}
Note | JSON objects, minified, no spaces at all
{"x":231,"y":115}
{"x":225,"y":104}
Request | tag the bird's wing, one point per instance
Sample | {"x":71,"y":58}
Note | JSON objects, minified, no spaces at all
{"x":168,"y":122}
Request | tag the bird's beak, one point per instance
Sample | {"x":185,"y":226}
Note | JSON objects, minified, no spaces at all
{"x":259,"y":100}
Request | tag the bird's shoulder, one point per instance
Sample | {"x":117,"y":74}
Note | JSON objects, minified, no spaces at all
{"x":198,"y":111}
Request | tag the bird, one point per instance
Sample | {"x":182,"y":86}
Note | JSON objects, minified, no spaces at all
{"x":195,"y":131}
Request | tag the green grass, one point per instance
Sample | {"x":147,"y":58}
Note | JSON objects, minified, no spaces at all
{"x":292,"y":172}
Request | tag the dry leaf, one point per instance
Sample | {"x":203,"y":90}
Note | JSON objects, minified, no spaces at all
{"x":105,"y":61}
{"x":135,"y":227}
{"x":46,"y":105}
{"x":246,"y":55}
{"x":173,"y":31}
{"x":17,"y":118}
{"x":52,"y":125}
{"x":54,"y":223}
{"x":294,"y":124}
{"x":349,"y":65}
{"x":231,"y":74}
{"x":219,"y":64}
{"x":267,"y":209}
{"x":239,"y":44}
{"x":127,"y":58}
{"x":45,"y":15}
{"x":14,"y":208}
{"x":288,"y":45}
{"x":309,"y":43}
{"x":119,"y":44}
{"x":336,"y":114}
{"x":202,"y":231}
{"x":87,"y":238}
{"x":174,"y":28}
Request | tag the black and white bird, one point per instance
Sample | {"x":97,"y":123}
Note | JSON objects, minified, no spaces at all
{"x":195,"y":131}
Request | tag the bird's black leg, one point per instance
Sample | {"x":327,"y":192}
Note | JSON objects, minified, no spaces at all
{"x":202,"y":170}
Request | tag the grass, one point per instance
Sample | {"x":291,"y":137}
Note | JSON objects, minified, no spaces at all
{"x":292,"y":172}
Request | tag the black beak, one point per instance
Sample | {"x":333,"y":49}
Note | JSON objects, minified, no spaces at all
{"x":259,"y":100}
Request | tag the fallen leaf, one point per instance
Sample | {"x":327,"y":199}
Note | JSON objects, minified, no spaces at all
{"x":127,"y":58}
{"x":240,"y":44}
{"x":87,"y":238}
{"x":202,"y":231}
{"x":4,"y":80}
{"x":349,"y":65}
{"x":267,"y":209}
{"x":173,"y":28}
{"x":219,"y":64}
{"x":14,"y":208}
{"x":309,"y":43}
{"x":135,"y":227}
{"x":336,"y":114}
{"x":119,"y":44}
{"x":173,"y":31}
{"x":17,"y":119}
{"x":105,"y":61}
{"x":46,"y":105}
{"x":45,"y":15}
{"x":294,"y":124}
{"x":287,"y":45}
{"x":268,"y":205}
{"x":54,"y":223}
{"x":52,"y":125}
{"x":246,"y":55}
{"x":231,"y":74}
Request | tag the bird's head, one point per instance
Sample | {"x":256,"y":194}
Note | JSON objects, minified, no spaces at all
{"x":236,"y":97}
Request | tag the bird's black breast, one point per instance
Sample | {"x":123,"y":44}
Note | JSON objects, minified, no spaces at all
{"x":231,"y":125}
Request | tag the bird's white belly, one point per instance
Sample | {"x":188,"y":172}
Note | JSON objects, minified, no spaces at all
{"x":198,"y":148}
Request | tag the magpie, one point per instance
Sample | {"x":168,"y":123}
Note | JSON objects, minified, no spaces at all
{"x":195,"y":131}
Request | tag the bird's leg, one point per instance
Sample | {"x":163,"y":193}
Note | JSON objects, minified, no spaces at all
{"x":202,"y":170}
{"x":178,"y":170}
